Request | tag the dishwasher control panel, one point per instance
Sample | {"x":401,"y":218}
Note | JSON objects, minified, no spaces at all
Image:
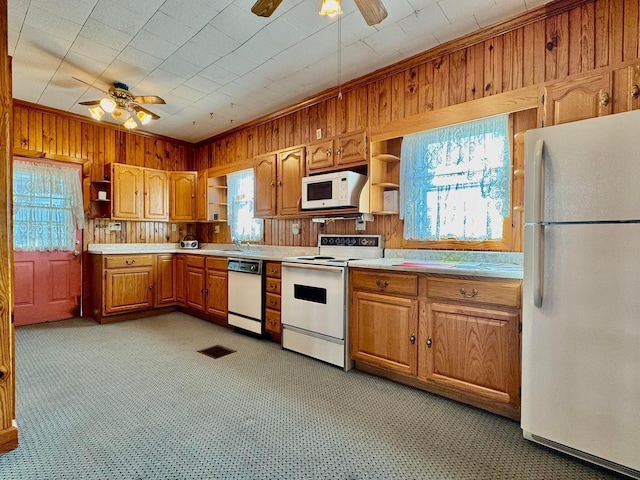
{"x":244,"y":265}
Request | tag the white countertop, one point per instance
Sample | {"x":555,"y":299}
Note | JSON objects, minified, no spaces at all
{"x":448,"y":262}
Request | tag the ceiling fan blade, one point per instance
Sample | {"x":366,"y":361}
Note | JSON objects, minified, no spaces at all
{"x":373,"y":11}
{"x":264,"y":8}
{"x":138,"y":108}
{"x":92,"y":86}
{"x":148,"y":99}
{"x":90,"y":102}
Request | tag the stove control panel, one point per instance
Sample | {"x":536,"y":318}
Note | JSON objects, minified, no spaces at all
{"x":350,"y":240}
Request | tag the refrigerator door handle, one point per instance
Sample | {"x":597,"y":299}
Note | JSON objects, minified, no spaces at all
{"x":538,"y":181}
{"x":538,"y":264}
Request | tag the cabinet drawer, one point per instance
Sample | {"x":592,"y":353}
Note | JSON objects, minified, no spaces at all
{"x":273,"y":269}
{"x":475,"y":291}
{"x":195,"y":261}
{"x":272,"y":301}
{"x":217,"y":263}
{"x":123,"y":261}
{"x":273,"y":285}
{"x":385,"y":282}
{"x":272,"y":321}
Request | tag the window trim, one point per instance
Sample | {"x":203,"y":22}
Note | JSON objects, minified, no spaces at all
{"x":507,"y":241}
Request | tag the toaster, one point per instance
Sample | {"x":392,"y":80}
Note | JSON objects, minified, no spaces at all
{"x":189,"y":241}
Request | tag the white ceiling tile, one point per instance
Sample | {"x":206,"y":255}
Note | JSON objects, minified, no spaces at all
{"x":174,"y":64}
{"x":17,"y":11}
{"x":139,"y":60}
{"x":236,"y":64}
{"x":13,"y":36}
{"x":389,"y":38}
{"x":197,"y":54}
{"x":218,"y":74}
{"x":462,"y":26}
{"x":216,"y":99}
{"x":456,"y":10}
{"x":149,"y":87}
{"x":143,"y":7}
{"x":429,"y":19}
{"x":401,"y":8}
{"x":202,"y":84}
{"x":257,"y":51}
{"x":89,"y":65}
{"x":162,"y":77}
{"x":492,"y":15}
{"x":119,"y":71}
{"x":281,"y":34}
{"x":354,"y":29}
{"x":89,"y":48}
{"x":420,"y":4}
{"x":120,"y":17}
{"x":104,"y":34}
{"x":236,"y":23}
{"x":163,"y":26}
{"x":531,"y":4}
{"x":187,"y":93}
{"x":234,"y":90}
{"x":156,"y":46}
{"x":74,"y":10}
{"x":193,"y":13}
{"x":29,"y":88}
{"x":210,"y":38}
{"x":253,"y":81}
{"x":51,"y":23}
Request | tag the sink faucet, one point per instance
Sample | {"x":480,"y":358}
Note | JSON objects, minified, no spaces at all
{"x":237,"y":242}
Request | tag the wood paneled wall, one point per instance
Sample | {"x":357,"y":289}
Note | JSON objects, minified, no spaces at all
{"x":561,"y":39}
{"x":47,"y":133}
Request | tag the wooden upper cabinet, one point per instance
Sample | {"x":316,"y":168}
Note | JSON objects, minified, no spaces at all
{"x":182,"y":196}
{"x":156,"y":195}
{"x":290,"y":171}
{"x":201,"y":198}
{"x":264,"y":168}
{"x":576,"y":98}
{"x":127,"y":189}
{"x":337,"y":152}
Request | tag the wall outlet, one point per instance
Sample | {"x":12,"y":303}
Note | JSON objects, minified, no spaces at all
{"x":295,"y":228}
{"x":174,"y":227}
{"x":216,"y":229}
{"x":318,"y":133}
{"x":361,"y":225}
{"x":114,"y":226}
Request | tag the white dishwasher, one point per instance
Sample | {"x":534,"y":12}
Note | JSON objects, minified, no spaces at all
{"x":246,"y":287}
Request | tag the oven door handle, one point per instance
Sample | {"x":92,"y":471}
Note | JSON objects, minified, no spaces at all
{"x":306,"y":266}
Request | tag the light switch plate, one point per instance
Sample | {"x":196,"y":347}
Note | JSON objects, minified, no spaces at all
{"x":318,"y":133}
{"x":174,"y":227}
{"x":114,"y":226}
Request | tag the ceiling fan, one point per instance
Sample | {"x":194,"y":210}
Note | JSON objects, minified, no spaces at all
{"x":122,"y":105}
{"x":373,"y":11}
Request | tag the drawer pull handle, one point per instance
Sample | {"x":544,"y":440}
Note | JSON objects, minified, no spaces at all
{"x":381,"y":284}
{"x":429,"y":342}
{"x":412,"y":338}
{"x":129,"y":262}
{"x":151,"y":287}
{"x":464,"y":293}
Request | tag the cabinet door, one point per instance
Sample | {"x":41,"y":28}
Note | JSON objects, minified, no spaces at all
{"x":351,"y":149}
{"x":473,"y":350}
{"x":128,"y":289}
{"x":217,"y":292}
{"x":320,"y":155}
{"x":201,"y":196}
{"x":127,"y":188}
{"x":182,"y":200}
{"x":384,"y":330}
{"x":181,"y":276}
{"x":265,"y":185}
{"x":576,"y":99}
{"x":290,"y":173}
{"x":166,"y":279}
{"x":156,"y":195}
{"x":196,"y":288}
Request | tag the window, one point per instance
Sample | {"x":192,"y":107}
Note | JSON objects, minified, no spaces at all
{"x":241,"y":207}
{"x":456,"y":183}
{"x":47,"y":207}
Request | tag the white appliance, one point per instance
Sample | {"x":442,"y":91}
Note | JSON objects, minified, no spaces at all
{"x":332,"y":190}
{"x":245,"y":295}
{"x":581,"y":296}
{"x":314,"y":289}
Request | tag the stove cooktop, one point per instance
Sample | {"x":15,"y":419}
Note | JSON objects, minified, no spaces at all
{"x":340,"y":249}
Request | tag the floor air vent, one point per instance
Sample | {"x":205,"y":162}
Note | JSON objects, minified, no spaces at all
{"x":216,"y":351}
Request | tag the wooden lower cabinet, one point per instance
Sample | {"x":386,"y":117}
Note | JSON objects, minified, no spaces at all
{"x":196,"y":282}
{"x":216,"y":286}
{"x":458,"y":337}
{"x":272,"y":300}
{"x":180,"y":286}
{"x":166,"y":279}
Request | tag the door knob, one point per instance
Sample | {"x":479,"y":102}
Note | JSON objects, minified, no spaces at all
{"x":76,"y":253}
{"x":412,"y":338}
{"x":429,"y":342}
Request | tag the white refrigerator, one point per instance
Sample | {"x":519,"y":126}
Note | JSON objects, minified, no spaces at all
{"x":581,"y":290}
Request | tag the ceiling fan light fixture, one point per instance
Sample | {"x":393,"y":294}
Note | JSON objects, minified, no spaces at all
{"x":108,"y":104}
{"x":120,"y":114}
{"x":330,"y":7}
{"x":96,"y":112}
{"x":144,"y":117}
{"x":130,"y":123}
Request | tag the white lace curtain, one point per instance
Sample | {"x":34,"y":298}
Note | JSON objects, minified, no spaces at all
{"x":240,"y":209}
{"x":455,"y":181}
{"x":47,"y":207}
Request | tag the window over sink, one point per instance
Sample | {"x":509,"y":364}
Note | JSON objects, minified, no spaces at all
{"x":456,"y":184}
{"x":241,"y":204}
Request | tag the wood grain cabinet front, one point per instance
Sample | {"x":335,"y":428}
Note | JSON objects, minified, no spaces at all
{"x":347,"y":150}
{"x":273,"y":299}
{"x":128,"y":283}
{"x":216,"y":286}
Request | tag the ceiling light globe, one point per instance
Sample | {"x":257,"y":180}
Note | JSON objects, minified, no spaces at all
{"x":96,"y":112}
{"x":130,"y":123}
{"x":120,"y":114}
{"x":144,"y":117}
{"x":330,"y":7}
{"x":108,"y":104}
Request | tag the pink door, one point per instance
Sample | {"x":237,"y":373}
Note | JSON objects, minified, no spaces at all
{"x":47,"y":284}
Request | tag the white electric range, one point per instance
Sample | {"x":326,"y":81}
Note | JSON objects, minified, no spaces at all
{"x":314,"y":292}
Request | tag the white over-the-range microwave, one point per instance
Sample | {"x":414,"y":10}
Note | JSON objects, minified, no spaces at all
{"x":332,"y":190}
